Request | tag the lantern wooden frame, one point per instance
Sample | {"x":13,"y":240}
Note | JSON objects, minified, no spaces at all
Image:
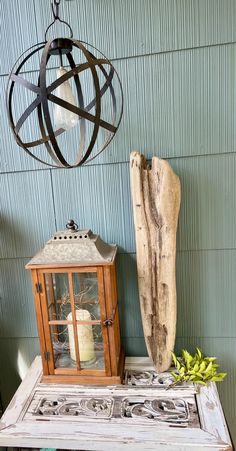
{"x":112,"y":373}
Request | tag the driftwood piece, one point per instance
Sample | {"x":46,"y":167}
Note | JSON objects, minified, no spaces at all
{"x":156,"y":202}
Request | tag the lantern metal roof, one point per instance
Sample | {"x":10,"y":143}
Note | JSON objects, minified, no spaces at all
{"x":74,"y":247}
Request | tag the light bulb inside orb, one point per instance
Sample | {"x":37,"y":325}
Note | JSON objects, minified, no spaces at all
{"x":64,"y":118}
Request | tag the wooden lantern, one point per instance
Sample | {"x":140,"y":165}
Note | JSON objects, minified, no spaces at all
{"x":74,"y":283}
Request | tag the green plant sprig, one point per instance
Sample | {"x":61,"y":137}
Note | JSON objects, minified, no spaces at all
{"x":196,"y":368}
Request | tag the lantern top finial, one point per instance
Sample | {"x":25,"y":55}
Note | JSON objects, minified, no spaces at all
{"x":71,"y":225}
{"x":74,"y":247}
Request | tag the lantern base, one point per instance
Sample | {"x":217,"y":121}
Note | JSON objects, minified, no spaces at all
{"x":87,"y":379}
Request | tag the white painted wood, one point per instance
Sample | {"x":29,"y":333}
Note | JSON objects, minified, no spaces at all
{"x":134,"y":363}
{"x":21,"y":396}
{"x":102,"y":435}
{"x":211,"y":412}
{"x":117,"y":390}
{"x":46,"y":434}
{"x":156,"y":201}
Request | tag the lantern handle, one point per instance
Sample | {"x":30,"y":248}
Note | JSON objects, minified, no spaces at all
{"x":55,"y":12}
{"x":71,"y":225}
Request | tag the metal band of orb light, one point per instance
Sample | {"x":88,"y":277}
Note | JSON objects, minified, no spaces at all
{"x":45,"y":94}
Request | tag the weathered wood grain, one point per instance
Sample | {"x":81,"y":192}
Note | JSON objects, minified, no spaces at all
{"x":19,"y":400}
{"x":156,"y":202}
{"x":212,"y":422}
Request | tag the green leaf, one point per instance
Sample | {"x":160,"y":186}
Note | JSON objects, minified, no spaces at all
{"x":174,"y":358}
{"x":200,"y":375}
{"x":192,"y":377}
{"x":199,"y":353}
{"x":177,"y":379}
{"x":215,"y":365}
{"x":209,"y":367}
{"x":175,"y":376}
{"x":187,"y":356}
{"x":187,"y":378}
{"x":178,"y":365}
{"x":202,"y":366}
{"x":221,"y":375}
{"x":217,"y":378}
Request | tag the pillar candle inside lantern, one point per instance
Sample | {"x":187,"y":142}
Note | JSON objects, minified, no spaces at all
{"x":85,"y":336}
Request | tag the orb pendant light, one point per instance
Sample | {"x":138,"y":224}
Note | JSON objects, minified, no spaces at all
{"x":60,"y":92}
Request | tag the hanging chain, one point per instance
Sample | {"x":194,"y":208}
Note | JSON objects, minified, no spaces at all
{"x":55,"y":11}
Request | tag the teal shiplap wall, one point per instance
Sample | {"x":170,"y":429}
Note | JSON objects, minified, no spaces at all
{"x":177,"y":63}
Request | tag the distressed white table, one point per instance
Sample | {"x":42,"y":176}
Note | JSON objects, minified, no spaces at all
{"x":140,"y":415}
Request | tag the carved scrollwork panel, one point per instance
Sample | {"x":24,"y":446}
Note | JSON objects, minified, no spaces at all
{"x":62,"y":406}
{"x":148,"y":378}
{"x":171,"y":410}
{"x":159,"y":409}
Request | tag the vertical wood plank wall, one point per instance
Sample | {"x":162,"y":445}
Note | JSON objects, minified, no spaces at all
{"x":177,"y":63}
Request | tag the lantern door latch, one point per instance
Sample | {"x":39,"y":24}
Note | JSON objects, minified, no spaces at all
{"x":38,"y":287}
{"x":108,"y":322}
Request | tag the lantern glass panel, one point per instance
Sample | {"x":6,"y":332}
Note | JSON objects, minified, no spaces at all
{"x":58,"y":299}
{"x":83,"y":308}
{"x":90,"y":346}
{"x":86,"y":293}
{"x":59,"y":306}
